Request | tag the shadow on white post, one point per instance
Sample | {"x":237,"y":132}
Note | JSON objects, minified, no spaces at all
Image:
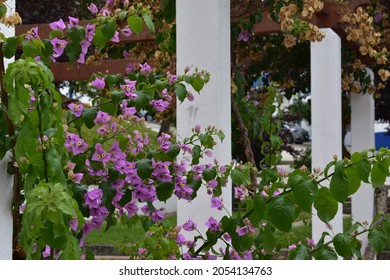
{"x":362,"y":138}
{"x":6,"y":181}
{"x":203,"y":41}
{"x":326,"y":113}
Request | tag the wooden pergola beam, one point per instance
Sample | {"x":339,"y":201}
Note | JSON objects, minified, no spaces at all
{"x":63,"y":71}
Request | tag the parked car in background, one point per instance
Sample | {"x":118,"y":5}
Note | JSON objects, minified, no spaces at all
{"x":293,"y":133}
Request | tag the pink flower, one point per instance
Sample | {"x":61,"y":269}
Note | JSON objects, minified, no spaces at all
{"x":58,"y":46}
{"x":126,"y":31}
{"x":244,"y":36}
{"x":115,"y":38}
{"x":100,"y":154}
{"x":32,"y":34}
{"x":73,"y":22}
{"x":93,"y":9}
{"x":77,"y":109}
{"x":77,"y":177}
{"x":130,"y":68}
{"x":242,"y":230}
{"x":172,"y":78}
{"x":98,"y":83}
{"x":129,"y":89}
{"x":189,"y":225}
{"x":212,"y":224}
{"x":89,"y":31}
{"x":159,"y":105}
{"x":74,"y":223}
{"x":212,"y":184}
{"x":58,"y":25}
{"x":216,"y":202}
{"x":292,"y":247}
{"x":311,"y":242}
{"x":145,"y":68}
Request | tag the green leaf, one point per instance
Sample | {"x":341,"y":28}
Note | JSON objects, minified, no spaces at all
{"x":305,"y":190}
{"x":108,"y":30}
{"x":135,"y":23}
{"x":174,"y":151}
{"x":354,"y":180}
{"x":195,"y":154}
{"x":209,"y":174}
{"x":9,"y":46}
{"x":3,"y":10}
{"x":343,"y":245}
{"x":122,"y":15}
{"x":149,"y":22}
{"x":73,"y":51}
{"x":325,"y":254}
{"x":325,"y":205}
{"x":281,"y":213}
{"x":32,"y":48}
{"x":300,"y":253}
{"x":55,"y":34}
{"x":362,"y":165}
{"x":76,"y":34}
{"x":198,"y":84}
{"x":144,"y":168}
{"x":103,"y":34}
{"x":89,"y":115}
{"x":180,"y":91}
{"x":164,"y":191}
{"x":54,"y":160}
{"x":377,"y":238}
{"x":378,"y":177}
{"x":259,"y":207}
{"x":269,"y":241}
{"x":386,"y":224}
{"x":160,"y":85}
{"x":339,"y":185}
{"x":143,"y":99}
{"x":240,"y":177}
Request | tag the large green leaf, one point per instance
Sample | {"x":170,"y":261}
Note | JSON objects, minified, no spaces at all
{"x":305,"y":190}
{"x":135,"y":23}
{"x":197,"y":84}
{"x":362,"y":165}
{"x":144,"y":168}
{"x":281,"y":213}
{"x":89,"y":115}
{"x":339,"y":185}
{"x":9,"y":46}
{"x":325,"y":205}
{"x":240,"y":177}
{"x":325,"y":254}
{"x":343,"y":245}
{"x":149,"y":22}
{"x":378,"y":177}
{"x":377,"y":238}
{"x":164,"y":190}
{"x":180,"y":91}
{"x":300,"y":253}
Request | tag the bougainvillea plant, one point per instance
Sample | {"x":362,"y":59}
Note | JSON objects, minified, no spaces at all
{"x":68,"y":183}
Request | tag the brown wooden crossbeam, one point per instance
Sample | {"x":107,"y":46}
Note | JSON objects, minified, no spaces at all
{"x":63,"y":71}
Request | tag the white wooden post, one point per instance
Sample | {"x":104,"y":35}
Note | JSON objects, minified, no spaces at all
{"x":203,"y":41}
{"x":326,"y":113}
{"x":6,"y":180}
{"x":362,"y":137}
